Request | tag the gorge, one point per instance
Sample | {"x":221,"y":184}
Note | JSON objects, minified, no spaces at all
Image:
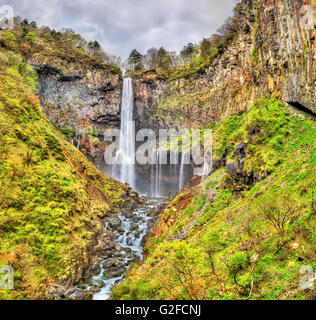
{"x":241,"y":225}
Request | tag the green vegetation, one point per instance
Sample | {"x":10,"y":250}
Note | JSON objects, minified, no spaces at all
{"x":66,"y":50}
{"x":193,"y":59}
{"x":50,"y":195}
{"x":237,"y":240}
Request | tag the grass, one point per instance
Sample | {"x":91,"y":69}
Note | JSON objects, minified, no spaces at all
{"x":50,"y":195}
{"x":248,"y":242}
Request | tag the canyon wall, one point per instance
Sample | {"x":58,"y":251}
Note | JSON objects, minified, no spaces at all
{"x":270,"y":55}
{"x":80,"y":102}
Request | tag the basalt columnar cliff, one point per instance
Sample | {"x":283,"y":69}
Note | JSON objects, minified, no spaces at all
{"x":269,"y":55}
{"x":244,"y":232}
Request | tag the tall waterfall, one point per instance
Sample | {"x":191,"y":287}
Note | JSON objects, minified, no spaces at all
{"x":125,"y":157}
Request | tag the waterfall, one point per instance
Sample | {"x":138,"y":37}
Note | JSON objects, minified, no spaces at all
{"x":156,"y":176}
{"x":185,"y":159}
{"x":125,"y":157}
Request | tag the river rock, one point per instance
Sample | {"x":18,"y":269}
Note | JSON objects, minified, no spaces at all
{"x":134,"y":226}
{"x":115,"y":223}
{"x":83,"y":295}
{"x":127,"y":213}
{"x":110,"y":263}
{"x":117,"y":272}
{"x":105,"y":244}
{"x":130,"y":241}
{"x":113,"y":268}
{"x":95,"y":268}
{"x":96,"y":285}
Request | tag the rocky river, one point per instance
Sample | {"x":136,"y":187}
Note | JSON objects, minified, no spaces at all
{"x":123,"y":244}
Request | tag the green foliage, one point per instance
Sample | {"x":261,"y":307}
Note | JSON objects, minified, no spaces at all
{"x":49,"y":192}
{"x":237,"y":262}
{"x":31,"y":37}
{"x":94,"y":45}
{"x":135,"y":60}
{"x":180,"y":275}
{"x":65,"y":50}
{"x":252,"y":242}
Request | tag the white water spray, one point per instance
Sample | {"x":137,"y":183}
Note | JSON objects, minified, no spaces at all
{"x":125,"y":157}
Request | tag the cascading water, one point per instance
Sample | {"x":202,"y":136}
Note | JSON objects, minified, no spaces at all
{"x":132,"y":249}
{"x":157,"y":176}
{"x":185,"y":159}
{"x":124,"y":170}
{"x":127,"y":235}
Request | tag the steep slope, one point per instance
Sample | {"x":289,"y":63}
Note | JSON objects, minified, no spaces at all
{"x":265,"y":52}
{"x":239,"y":235}
{"x":51,"y":198}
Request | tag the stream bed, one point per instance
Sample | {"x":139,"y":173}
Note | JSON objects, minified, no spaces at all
{"x":127,"y":230}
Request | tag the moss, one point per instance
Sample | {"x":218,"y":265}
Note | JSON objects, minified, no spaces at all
{"x":255,"y":240}
{"x":66,"y":51}
{"x":49,"y":192}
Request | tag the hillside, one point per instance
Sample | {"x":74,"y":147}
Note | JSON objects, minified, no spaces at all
{"x":239,"y":235}
{"x":51,"y":198}
{"x":79,"y":85}
{"x":262,"y":52}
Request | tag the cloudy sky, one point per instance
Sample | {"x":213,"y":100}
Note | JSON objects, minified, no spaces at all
{"x":121,"y":25}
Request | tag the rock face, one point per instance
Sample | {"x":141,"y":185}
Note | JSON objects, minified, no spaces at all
{"x":271,"y":55}
{"x":80,"y":103}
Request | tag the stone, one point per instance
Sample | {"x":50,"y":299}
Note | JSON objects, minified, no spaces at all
{"x":231,"y":168}
{"x":115,"y":223}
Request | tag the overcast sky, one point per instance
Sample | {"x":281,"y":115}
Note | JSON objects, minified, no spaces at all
{"x":122,"y":25}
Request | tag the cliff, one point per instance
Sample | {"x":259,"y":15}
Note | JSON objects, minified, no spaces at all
{"x":80,"y":103}
{"x":79,"y":86}
{"x":269,"y":54}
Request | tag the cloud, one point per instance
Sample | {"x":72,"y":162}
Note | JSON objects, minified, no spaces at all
{"x":122,"y":25}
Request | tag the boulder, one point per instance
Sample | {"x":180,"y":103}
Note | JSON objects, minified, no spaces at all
{"x":115,"y":223}
{"x":231,"y":168}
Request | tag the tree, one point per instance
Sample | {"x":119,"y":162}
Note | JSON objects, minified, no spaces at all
{"x":95,"y":45}
{"x":151,"y":58}
{"x":187,"y":51}
{"x":135,"y":60}
{"x":164,"y":60}
{"x":205,"y":48}
{"x":54,"y":33}
{"x":33,"y":24}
